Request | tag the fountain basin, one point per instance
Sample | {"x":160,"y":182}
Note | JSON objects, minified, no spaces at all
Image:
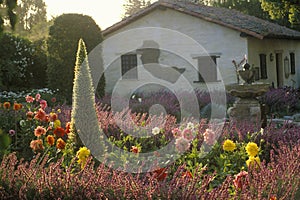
{"x":246,"y":107}
{"x":247,"y":91}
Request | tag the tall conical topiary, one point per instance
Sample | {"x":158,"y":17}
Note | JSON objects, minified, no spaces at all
{"x":85,"y":130}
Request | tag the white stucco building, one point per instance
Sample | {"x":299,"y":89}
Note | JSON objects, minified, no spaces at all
{"x":196,"y":37}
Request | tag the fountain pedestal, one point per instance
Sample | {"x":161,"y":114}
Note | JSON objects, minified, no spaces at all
{"x":246,"y":107}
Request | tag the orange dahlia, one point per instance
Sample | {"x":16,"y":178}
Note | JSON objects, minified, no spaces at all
{"x":6,"y":105}
{"x":17,"y":106}
{"x":50,"y":140}
{"x":60,"y":144}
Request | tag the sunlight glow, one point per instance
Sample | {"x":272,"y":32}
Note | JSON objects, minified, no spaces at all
{"x":104,"y":12}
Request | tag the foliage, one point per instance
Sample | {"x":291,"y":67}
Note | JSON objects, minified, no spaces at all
{"x":35,"y":180}
{"x":19,"y":96}
{"x":252,"y":7}
{"x":281,"y":101}
{"x":30,"y":122}
{"x":224,"y":172}
{"x":30,"y":13}
{"x":64,"y":35}
{"x":141,"y":103}
{"x":285,"y":12}
{"x":22,"y":63}
{"x":16,"y":60}
{"x":133,"y":6}
{"x":10,"y":5}
{"x":205,"y":2}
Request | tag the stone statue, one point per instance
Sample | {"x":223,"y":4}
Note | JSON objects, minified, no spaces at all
{"x":247,"y":74}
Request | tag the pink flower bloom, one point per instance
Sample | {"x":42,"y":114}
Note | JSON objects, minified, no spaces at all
{"x":188,"y":134}
{"x":37,"y":97}
{"x":39,"y":131}
{"x":209,"y":137}
{"x":53,"y":99}
{"x":43,"y":104}
{"x":182,"y":144}
{"x":176,"y":132}
{"x":12,"y":132}
{"x":41,"y":115}
{"x":241,"y":180}
{"x":29,"y":99}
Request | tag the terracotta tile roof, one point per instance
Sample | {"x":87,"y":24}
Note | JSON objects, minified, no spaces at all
{"x":246,"y":24}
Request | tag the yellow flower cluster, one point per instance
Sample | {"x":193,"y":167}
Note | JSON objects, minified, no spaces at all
{"x":252,"y":161}
{"x":82,"y":154}
{"x":252,"y":150}
{"x":229,"y":145}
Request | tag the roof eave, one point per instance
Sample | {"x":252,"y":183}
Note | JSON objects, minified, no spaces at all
{"x":130,"y":19}
{"x":286,"y":37}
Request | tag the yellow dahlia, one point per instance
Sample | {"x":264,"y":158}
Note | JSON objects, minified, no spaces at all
{"x":252,"y":149}
{"x":252,"y":161}
{"x":82,"y":154}
{"x":229,"y":145}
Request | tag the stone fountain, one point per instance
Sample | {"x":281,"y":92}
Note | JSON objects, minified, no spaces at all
{"x":247,"y":106}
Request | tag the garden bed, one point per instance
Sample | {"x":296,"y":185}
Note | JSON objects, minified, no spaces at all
{"x":40,"y":161}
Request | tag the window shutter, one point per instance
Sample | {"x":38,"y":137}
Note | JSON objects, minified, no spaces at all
{"x":292,"y":60}
{"x":263,"y":66}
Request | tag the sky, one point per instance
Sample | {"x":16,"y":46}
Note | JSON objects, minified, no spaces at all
{"x":104,"y":12}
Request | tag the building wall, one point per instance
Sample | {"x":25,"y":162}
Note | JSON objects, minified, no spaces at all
{"x":182,"y":37}
{"x":273,"y":46}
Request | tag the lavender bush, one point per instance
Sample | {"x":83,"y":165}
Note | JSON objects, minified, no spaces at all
{"x":281,"y":101}
{"x":278,"y":179}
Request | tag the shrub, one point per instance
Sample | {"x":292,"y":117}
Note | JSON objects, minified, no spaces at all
{"x":22,"y":64}
{"x":142,"y":102}
{"x":281,"y":101}
{"x":30,"y":122}
{"x":62,"y":43}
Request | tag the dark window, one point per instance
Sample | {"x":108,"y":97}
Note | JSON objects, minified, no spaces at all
{"x":207,"y":66}
{"x":263,"y":66}
{"x":129,"y":66}
{"x":292,"y":59}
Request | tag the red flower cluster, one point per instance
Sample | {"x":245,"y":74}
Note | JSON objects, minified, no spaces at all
{"x":160,"y":174}
{"x":241,"y":180}
{"x":59,"y":132}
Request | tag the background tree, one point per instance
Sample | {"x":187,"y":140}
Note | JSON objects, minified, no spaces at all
{"x":22,"y":63}
{"x":30,"y":13}
{"x":205,"y":2}
{"x":7,"y":9}
{"x":32,"y":20}
{"x":252,"y":7}
{"x":133,"y":6}
{"x":62,"y":42}
{"x":285,"y":12}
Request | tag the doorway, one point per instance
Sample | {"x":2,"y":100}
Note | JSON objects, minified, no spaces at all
{"x":279,"y":70}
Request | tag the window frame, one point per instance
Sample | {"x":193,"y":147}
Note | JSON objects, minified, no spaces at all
{"x":214,"y":76}
{"x":129,"y":62}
